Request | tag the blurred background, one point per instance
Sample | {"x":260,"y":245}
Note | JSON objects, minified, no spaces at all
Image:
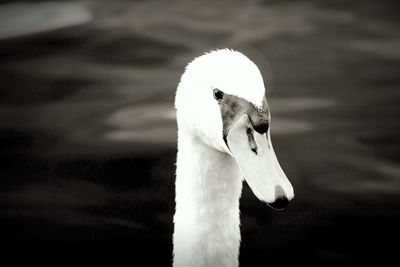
{"x":88,"y":132}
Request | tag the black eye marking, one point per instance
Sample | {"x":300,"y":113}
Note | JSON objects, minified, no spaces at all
{"x":218,"y":94}
{"x":233,"y":107}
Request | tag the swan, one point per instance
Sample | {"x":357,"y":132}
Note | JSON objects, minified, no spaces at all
{"x":223,"y":137}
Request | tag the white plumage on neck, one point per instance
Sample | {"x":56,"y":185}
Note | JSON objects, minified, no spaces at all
{"x":208,"y":188}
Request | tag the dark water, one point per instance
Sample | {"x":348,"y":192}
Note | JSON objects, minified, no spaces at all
{"x":88,"y":135}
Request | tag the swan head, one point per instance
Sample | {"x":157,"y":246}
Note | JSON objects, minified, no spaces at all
{"x":221,"y":101}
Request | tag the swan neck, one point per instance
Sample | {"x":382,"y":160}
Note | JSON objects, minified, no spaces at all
{"x":208,"y":188}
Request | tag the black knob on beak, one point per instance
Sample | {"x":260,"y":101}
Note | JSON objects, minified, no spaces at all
{"x":261,"y":126}
{"x":259,"y":120}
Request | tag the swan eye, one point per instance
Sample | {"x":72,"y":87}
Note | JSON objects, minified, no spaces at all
{"x":218,"y":94}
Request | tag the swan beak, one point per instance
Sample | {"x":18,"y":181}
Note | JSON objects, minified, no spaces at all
{"x":257,"y":161}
